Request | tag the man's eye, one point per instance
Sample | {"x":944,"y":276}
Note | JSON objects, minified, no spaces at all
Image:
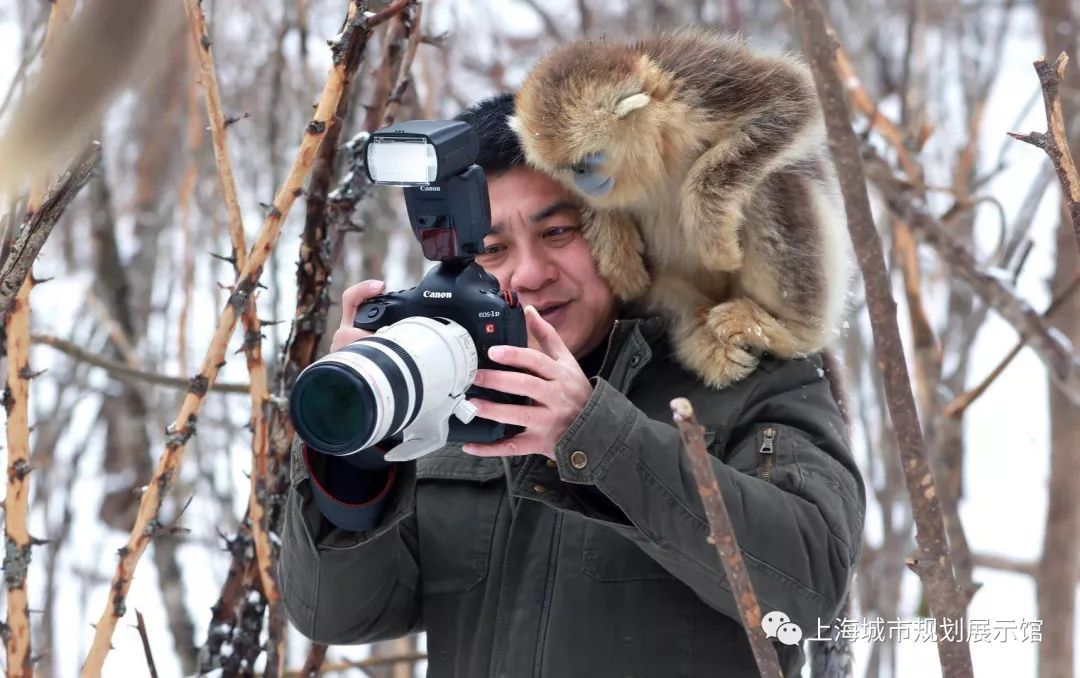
{"x":559,"y":232}
{"x":493,"y":249}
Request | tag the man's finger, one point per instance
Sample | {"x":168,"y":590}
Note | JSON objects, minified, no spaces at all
{"x":356,"y":295}
{"x":518,"y":415}
{"x":347,"y":335}
{"x":548,"y":337}
{"x":522,"y":443}
{"x":517,"y":383}
{"x":538,"y":363}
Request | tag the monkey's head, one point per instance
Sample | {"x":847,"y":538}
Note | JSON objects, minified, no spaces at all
{"x":598,"y":116}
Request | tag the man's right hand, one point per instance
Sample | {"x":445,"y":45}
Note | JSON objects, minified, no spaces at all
{"x":350,"y":301}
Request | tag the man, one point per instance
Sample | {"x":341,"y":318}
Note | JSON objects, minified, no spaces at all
{"x":586,"y":555}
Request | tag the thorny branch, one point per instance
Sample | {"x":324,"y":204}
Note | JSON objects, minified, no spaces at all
{"x":1055,"y":141}
{"x":252,"y":345}
{"x":39,"y":224}
{"x":183,"y":427}
{"x":934,"y":563}
{"x":141,"y":626}
{"x":17,"y":541}
{"x":309,"y":323}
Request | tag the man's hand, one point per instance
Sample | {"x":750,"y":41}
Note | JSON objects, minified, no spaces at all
{"x":351,"y":299}
{"x":557,"y":386}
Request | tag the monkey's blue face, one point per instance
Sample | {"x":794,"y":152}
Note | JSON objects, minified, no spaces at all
{"x":590,"y":177}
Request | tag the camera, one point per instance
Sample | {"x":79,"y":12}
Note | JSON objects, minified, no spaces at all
{"x":405,"y":387}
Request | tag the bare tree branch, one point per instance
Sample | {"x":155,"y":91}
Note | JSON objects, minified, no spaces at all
{"x":141,"y":626}
{"x":959,"y":404}
{"x":934,"y":563}
{"x":313,"y":662}
{"x":39,"y":224}
{"x":124,"y":371}
{"x":252,"y":345}
{"x":183,"y":427}
{"x":1055,"y":141}
{"x":722,"y":535}
{"x":16,"y":536}
{"x":309,"y":324}
{"x":1053,"y":349}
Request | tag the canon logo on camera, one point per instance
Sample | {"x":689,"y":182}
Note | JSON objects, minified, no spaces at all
{"x":428,"y":294}
{"x":430,"y":188}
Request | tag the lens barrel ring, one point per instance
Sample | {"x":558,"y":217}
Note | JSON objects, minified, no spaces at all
{"x":414,"y":371}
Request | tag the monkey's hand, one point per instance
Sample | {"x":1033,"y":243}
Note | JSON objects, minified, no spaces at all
{"x":616,"y":245}
{"x":711,"y":210}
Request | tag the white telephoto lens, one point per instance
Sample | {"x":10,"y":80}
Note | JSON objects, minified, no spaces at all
{"x":391,"y":379}
{"x":402,"y":162}
{"x":444,"y":353}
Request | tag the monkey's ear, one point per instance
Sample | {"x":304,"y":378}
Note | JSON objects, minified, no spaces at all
{"x":514,"y":123}
{"x":629,"y":104}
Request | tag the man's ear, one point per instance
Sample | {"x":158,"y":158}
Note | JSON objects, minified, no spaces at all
{"x":630,"y":104}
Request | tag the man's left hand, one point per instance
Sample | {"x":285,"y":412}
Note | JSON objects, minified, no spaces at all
{"x":557,"y":386}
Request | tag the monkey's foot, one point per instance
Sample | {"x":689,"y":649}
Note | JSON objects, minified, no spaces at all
{"x":737,"y":322}
{"x":719,"y":353}
{"x":745,"y":322}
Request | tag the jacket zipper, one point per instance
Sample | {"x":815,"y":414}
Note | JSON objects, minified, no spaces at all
{"x":607,"y":351}
{"x":766,"y":453}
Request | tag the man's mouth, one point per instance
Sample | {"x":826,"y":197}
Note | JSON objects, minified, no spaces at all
{"x":552,"y":311}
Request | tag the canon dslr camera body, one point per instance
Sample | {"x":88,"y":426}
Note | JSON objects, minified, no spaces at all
{"x":405,"y":387}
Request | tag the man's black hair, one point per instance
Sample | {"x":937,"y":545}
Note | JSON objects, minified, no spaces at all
{"x":499,"y":147}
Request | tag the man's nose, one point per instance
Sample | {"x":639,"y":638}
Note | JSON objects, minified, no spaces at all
{"x":532,"y":270}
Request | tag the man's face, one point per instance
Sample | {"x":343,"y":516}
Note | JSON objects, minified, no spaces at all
{"x":536,"y":247}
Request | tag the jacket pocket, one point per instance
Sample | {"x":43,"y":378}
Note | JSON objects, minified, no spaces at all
{"x":457,"y":502}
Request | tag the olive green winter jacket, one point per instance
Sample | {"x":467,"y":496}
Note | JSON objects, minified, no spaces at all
{"x":597,"y":564}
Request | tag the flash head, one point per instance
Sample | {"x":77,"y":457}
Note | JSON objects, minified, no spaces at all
{"x":420,"y":152}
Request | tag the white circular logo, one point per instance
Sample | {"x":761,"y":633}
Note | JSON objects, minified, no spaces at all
{"x":772,"y":621}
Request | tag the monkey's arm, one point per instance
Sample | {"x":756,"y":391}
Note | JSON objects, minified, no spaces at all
{"x":778,"y":123}
{"x":616,"y":246}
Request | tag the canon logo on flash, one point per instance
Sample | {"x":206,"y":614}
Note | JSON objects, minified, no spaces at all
{"x":428,"y":294}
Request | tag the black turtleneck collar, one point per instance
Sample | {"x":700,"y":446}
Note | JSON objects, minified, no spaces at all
{"x":592,"y":361}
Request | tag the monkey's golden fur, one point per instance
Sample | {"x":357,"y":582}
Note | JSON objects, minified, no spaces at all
{"x":721,"y":181}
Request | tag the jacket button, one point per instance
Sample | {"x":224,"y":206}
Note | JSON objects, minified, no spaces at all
{"x":635,"y":360}
{"x":578,"y":460}
{"x":539,"y":489}
{"x":551,"y":463}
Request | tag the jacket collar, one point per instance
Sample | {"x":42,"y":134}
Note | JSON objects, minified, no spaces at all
{"x":634,"y":341}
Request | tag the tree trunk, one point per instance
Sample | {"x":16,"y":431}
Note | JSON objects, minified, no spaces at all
{"x":1056,"y":576}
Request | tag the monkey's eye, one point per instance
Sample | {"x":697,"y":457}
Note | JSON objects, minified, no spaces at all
{"x":579,"y":168}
